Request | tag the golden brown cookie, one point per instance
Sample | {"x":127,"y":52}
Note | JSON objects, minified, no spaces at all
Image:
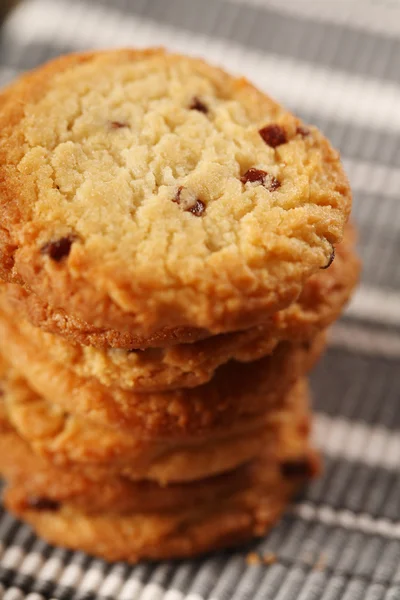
{"x":320,"y":302}
{"x":236,"y":392}
{"x":165,"y":194}
{"x":180,"y":520}
{"x":35,"y":481}
{"x":68,"y":440}
{"x":189,"y":365}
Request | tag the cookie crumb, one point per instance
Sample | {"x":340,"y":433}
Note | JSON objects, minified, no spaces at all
{"x":331,"y":258}
{"x":253,"y":175}
{"x":198,"y":105}
{"x":118,"y":124}
{"x":297,"y":467}
{"x":269,"y":558}
{"x":189,"y":201}
{"x":273,"y":135}
{"x":253,"y":559}
{"x":59,"y":249}
{"x":40,"y":503}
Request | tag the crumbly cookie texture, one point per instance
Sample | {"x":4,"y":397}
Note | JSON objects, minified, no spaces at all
{"x":190,"y":365}
{"x":73,"y":443}
{"x":236,"y":391}
{"x":141,"y":190}
{"x":131,"y":521}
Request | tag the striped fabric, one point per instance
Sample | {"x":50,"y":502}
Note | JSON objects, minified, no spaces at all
{"x":336,"y":63}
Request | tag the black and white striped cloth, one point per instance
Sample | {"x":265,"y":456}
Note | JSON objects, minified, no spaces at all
{"x":336,"y":63}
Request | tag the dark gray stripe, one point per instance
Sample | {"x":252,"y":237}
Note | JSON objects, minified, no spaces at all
{"x":262,"y":28}
{"x":358,"y":388}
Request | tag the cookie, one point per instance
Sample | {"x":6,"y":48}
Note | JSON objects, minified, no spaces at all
{"x":33,"y":481}
{"x":70,"y":441}
{"x":73,"y":442}
{"x":320,"y":302}
{"x":130,"y":208}
{"x":189,"y":365}
{"x":57,"y":321}
{"x":237,"y":507}
{"x":236,"y":392}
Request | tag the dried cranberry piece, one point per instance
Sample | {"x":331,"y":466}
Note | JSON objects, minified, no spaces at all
{"x":273,"y":135}
{"x":118,"y":124}
{"x":199,"y":105}
{"x":198,"y":209}
{"x":191,"y":203}
{"x":58,"y":249}
{"x":253,"y":175}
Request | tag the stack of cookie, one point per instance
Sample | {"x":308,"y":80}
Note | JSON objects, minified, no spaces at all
{"x":165,"y":237}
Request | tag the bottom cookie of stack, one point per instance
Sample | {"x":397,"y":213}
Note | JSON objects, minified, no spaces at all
{"x":120,"y":519}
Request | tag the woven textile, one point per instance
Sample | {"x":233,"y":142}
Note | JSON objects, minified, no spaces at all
{"x":336,"y":64}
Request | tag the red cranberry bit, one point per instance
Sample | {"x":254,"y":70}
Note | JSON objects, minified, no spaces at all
{"x":299,"y":467}
{"x":199,"y":105}
{"x":253,"y":175}
{"x":59,"y":249}
{"x":40,"y":503}
{"x":198,"y":209}
{"x":331,"y":259}
{"x":177,"y":198}
{"x":189,"y":202}
{"x":273,"y":135}
{"x":118,"y":124}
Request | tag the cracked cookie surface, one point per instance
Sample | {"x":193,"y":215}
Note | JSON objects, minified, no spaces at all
{"x":142,"y":190}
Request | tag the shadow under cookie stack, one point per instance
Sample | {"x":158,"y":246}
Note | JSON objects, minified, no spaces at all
{"x":154,"y":395}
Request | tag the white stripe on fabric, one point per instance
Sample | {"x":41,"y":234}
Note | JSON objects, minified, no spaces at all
{"x":363,"y":340}
{"x":131,"y":590}
{"x":31,"y":564}
{"x":372,"y":445}
{"x":92,"y":579}
{"x":51,"y":569}
{"x":14,"y":593}
{"x":347,"y":519}
{"x":301,"y":86}
{"x":135,"y":590}
{"x":383,"y":19}
{"x":71,"y":576}
{"x":376,"y":305}
{"x":12,"y":557}
{"x":373,"y":178}
{"x":112,"y":583}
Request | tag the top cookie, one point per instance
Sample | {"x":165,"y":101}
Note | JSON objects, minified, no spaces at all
{"x":141,"y":190}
